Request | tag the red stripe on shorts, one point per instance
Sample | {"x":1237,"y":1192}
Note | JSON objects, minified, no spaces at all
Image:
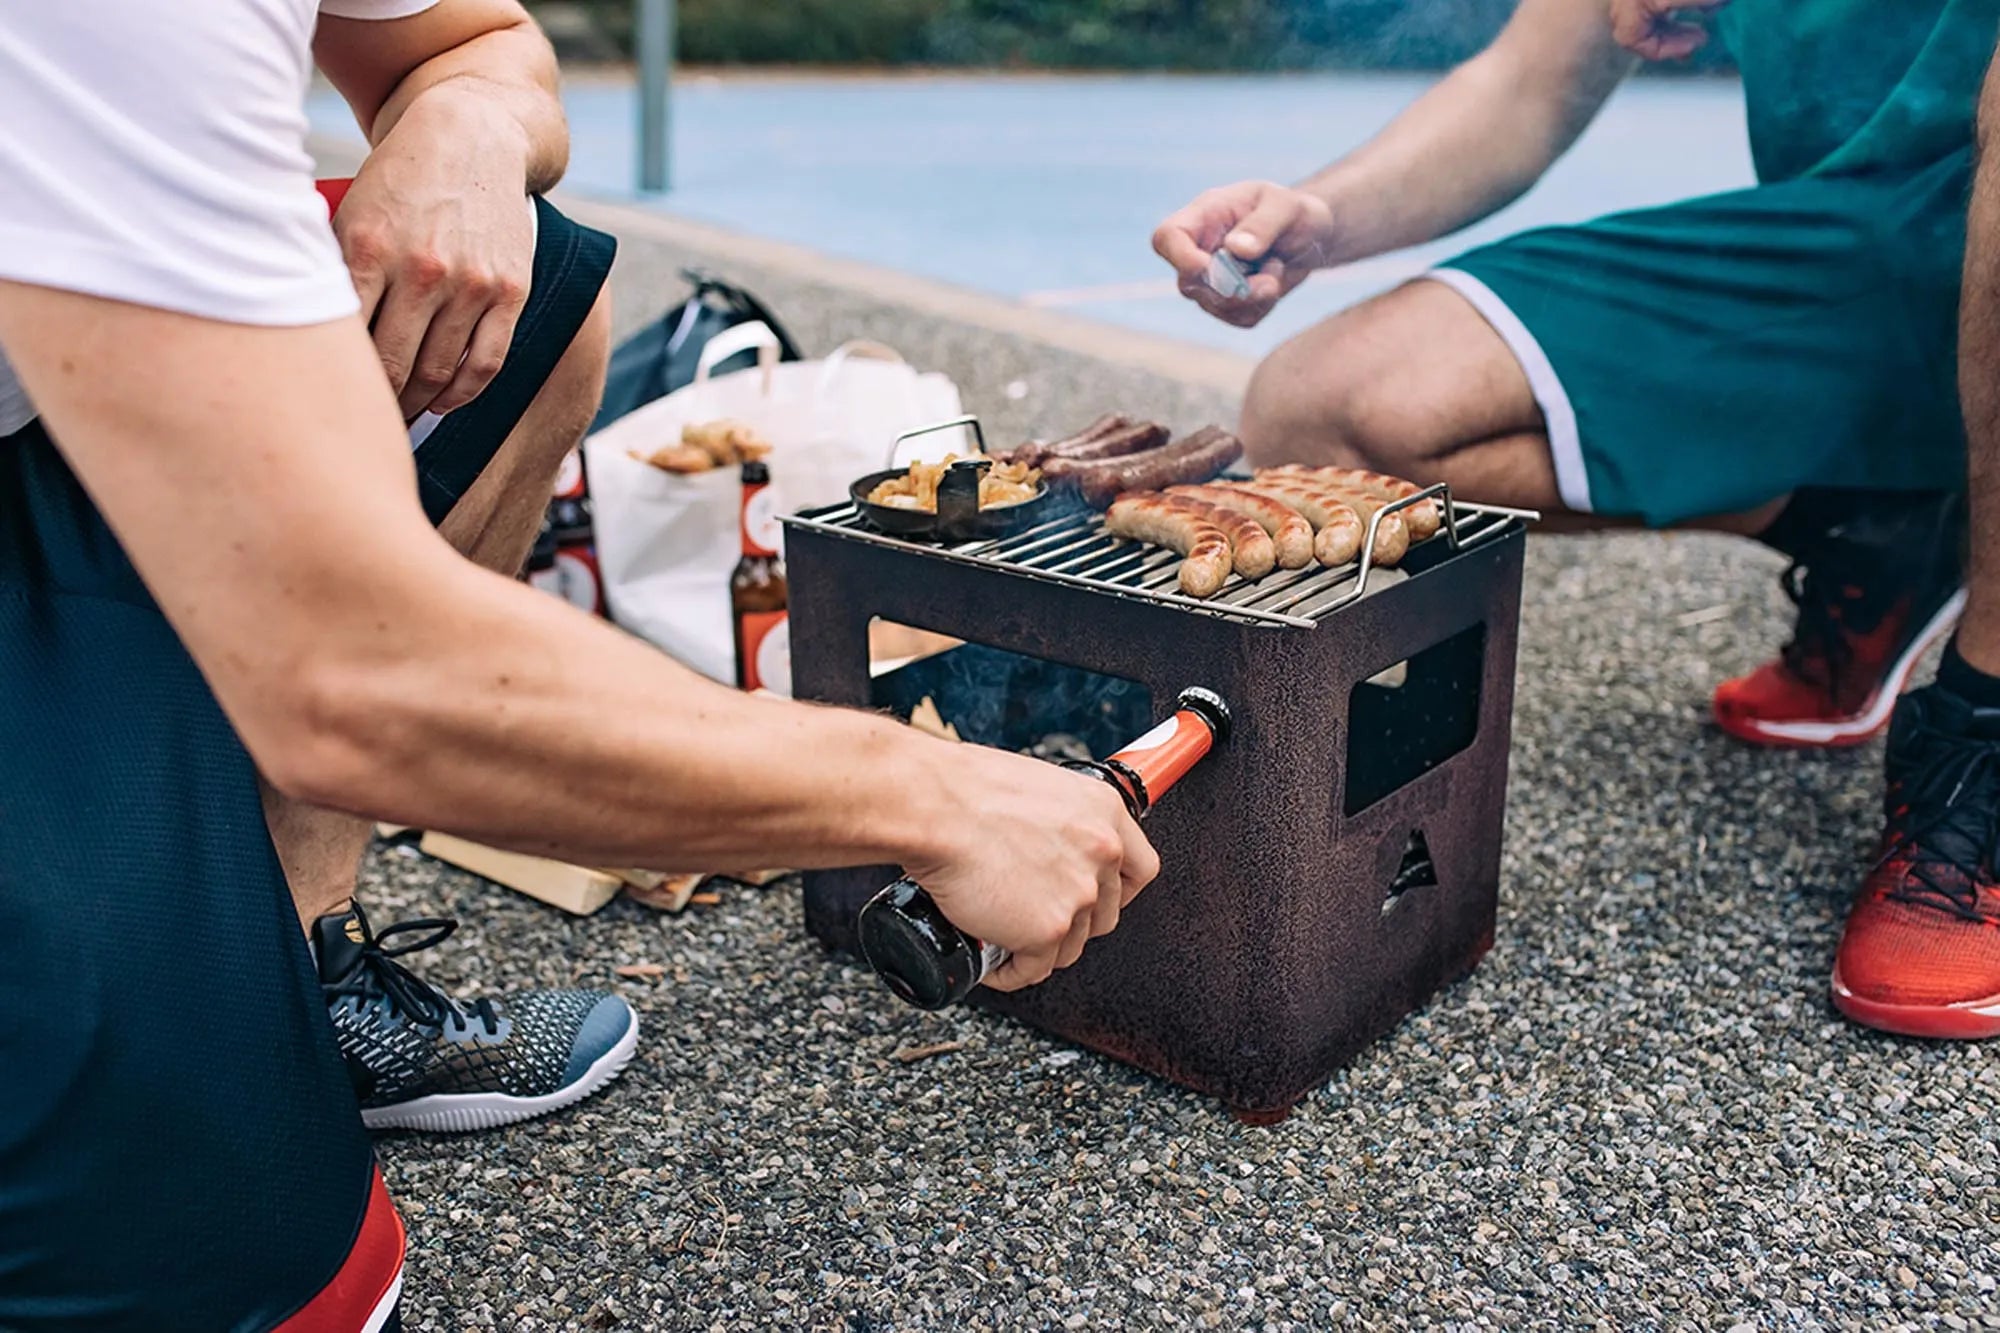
{"x":364,"y":1291}
{"x":333,"y":192}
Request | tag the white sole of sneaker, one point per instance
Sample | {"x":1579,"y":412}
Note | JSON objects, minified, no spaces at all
{"x":448,"y":1113}
{"x":1968,"y":1020}
{"x":1880,"y":704}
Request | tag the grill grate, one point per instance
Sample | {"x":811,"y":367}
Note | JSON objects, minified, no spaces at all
{"x":1076,"y":550}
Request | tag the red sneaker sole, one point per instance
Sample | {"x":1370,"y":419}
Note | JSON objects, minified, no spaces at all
{"x":1838,"y":733}
{"x":1969,"y":1020}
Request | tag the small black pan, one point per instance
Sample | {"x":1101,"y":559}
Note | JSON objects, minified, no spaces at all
{"x":959,"y":517}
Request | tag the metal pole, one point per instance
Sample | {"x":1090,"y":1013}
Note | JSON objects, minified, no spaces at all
{"x":656,"y":55}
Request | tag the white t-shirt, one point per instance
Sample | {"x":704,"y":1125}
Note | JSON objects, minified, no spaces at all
{"x":154,"y":152}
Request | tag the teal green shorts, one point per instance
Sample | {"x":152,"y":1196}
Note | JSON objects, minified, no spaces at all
{"x":1709,"y":356}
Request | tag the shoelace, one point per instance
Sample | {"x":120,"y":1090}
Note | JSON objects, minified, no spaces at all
{"x":1819,"y":650}
{"x":1937,"y":877}
{"x":377,"y":973}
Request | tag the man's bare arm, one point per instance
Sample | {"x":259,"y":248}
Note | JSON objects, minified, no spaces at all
{"x":460,"y":104}
{"x":365,"y":664}
{"x":261,"y":482}
{"x":491,"y":47}
{"x":1484,"y":135}
{"x":1472,"y":144}
{"x":1979,"y":389}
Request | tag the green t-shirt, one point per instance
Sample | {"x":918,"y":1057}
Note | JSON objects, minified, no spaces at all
{"x":1842,"y":86}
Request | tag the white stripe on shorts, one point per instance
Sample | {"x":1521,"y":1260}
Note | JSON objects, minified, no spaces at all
{"x":1565,"y":445}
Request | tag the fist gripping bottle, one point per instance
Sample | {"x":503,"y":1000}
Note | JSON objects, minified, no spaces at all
{"x":933,"y":964}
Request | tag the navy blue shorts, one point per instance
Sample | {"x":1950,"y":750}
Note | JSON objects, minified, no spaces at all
{"x":180,"y":1147}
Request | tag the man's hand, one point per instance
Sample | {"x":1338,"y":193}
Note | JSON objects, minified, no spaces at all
{"x":459,"y":102}
{"x":1656,"y":29}
{"x":1040,"y":861}
{"x":438,"y":233}
{"x":1284,"y":233}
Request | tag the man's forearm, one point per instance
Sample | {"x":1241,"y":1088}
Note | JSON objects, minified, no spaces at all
{"x":368,"y":666}
{"x":483,"y":64}
{"x":512,"y":71}
{"x":1979,"y":391}
{"x":611,"y":752}
{"x":1479,"y":139}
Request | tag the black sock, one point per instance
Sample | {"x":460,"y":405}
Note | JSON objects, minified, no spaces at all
{"x":1967,"y":681}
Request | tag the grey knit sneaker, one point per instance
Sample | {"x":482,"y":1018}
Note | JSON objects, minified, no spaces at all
{"x":422,"y":1060}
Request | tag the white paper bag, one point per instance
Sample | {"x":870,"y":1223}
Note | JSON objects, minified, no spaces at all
{"x":667,"y":543}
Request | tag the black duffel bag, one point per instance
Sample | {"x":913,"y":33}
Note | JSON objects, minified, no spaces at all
{"x":660,"y":358}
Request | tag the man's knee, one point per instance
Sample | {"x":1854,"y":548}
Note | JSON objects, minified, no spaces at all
{"x":1323,"y":398}
{"x":1301,"y":410}
{"x":1398,"y":384}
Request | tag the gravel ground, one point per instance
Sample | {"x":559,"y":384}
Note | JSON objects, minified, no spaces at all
{"x":1640,"y":1112}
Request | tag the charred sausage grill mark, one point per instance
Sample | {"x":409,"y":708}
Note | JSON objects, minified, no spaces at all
{"x":1251,"y":553}
{"x":1035,"y":452}
{"x":1337,"y":529}
{"x":1181,"y":527}
{"x":1194,"y":458}
{"x":1392,"y":535}
{"x":1290,"y":531}
{"x":1423,"y":517}
{"x":1134,"y":439}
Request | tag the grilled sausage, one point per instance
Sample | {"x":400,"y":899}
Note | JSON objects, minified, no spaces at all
{"x":1179,"y":527}
{"x":1194,"y":458}
{"x":1034,"y":451}
{"x":1422,"y":517}
{"x":1133,"y":439}
{"x":1251,"y":550}
{"x":1290,"y":531}
{"x":1337,"y":529}
{"x":1392,"y":535}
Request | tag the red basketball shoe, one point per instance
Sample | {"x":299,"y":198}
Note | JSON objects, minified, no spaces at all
{"x":1874,"y":592}
{"x":1921,"y":953}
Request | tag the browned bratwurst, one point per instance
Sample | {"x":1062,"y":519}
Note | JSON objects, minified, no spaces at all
{"x":1193,"y":458}
{"x":1136,"y":438}
{"x":1290,"y":531}
{"x":1034,"y":451}
{"x":1422,"y":517}
{"x":1251,"y":551}
{"x":1337,"y":529}
{"x":1392,"y":535}
{"x":1178,"y":526}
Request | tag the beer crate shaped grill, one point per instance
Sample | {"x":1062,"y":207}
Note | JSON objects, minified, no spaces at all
{"x":1323,"y":872}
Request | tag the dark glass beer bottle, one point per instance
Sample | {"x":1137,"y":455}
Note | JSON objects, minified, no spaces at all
{"x":933,"y":964}
{"x":757,"y":591}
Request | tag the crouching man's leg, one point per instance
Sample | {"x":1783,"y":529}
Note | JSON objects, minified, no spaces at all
{"x":1764,"y":363}
{"x":1921,"y":952}
{"x":178,"y":1143}
{"x":426,"y":1060}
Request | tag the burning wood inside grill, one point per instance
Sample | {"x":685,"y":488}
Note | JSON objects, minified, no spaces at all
{"x":1058,"y":747}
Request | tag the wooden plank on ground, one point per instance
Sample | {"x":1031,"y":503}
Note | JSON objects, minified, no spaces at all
{"x":572,"y":888}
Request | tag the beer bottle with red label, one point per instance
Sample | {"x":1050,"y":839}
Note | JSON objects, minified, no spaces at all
{"x":757,"y":592}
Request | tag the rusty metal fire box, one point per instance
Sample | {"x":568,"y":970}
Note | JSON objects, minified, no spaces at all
{"x":1324,"y":872}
